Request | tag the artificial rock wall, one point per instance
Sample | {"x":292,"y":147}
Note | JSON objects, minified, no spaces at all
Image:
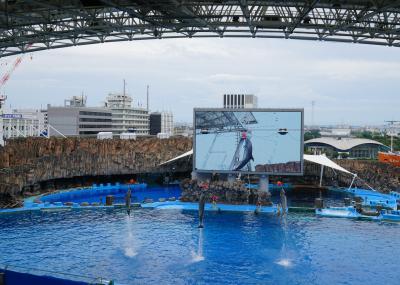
{"x":381,"y":176}
{"x":25,"y":162}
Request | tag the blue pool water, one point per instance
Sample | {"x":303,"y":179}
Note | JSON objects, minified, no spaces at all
{"x":166,"y":247}
{"x":139,"y":194}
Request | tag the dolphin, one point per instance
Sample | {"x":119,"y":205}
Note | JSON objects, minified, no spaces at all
{"x":247,"y":156}
{"x":283,"y":201}
{"x":128,"y":201}
{"x":202,"y":203}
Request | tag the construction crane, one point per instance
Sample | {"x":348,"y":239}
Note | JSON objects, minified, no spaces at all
{"x":3,"y":97}
{"x":391,"y":123}
{"x":14,"y":66}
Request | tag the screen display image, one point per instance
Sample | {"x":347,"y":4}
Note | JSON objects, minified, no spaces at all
{"x":265,"y":141}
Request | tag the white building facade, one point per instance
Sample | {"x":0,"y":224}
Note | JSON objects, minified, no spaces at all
{"x":125,"y":117}
{"x":167,"y":123}
{"x":78,"y":121}
{"x":24,"y":123}
{"x":162,"y":123}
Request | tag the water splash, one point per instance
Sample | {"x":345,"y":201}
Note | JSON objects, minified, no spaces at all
{"x":197,"y":257}
{"x":284,"y":262}
{"x":130,"y":252}
{"x":130,"y":243}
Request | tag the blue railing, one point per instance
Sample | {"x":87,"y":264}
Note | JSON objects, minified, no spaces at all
{"x":94,"y":191}
{"x":17,"y":275}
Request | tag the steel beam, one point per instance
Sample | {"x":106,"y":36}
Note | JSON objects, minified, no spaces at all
{"x":55,"y":24}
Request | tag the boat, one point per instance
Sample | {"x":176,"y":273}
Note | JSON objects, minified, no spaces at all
{"x":338,"y":212}
{"x":374,"y":198}
{"x":393,"y":216}
{"x":349,"y":212}
{"x":390,"y":157}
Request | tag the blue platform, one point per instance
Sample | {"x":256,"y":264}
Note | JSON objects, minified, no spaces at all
{"x":94,"y":191}
{"x":351,"y":213}
{"x":178,"y":205}
{"x":372,"y":198}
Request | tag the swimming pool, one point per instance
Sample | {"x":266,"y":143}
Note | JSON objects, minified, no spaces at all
{"x":98,"y":193}
{"x":141,"y":192}
{"x":166,"y":247}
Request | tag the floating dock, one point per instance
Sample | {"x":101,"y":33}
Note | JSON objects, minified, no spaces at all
{"x":351,"y":213}
{"x":209,"y":207}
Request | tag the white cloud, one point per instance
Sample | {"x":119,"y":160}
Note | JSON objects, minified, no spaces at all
{"x":222,"y":78}
{"x":352,"y":70}
{"x":186,"y":73}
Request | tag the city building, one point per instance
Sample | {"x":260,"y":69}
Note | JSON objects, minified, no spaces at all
{"x":155,"y":123}
{"x":339,"y":131}
{"x":240,"y":101}
{"x":126,"y":118}
{"x":183,"y":129}
{"x":162,"y":122}
{"x":75,"y":119}
{"x":24,"y":123}
{"x":345,"y":147}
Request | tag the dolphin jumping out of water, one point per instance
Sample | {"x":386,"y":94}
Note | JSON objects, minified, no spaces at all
{"x":247,"y":155}
{"x":128,"y":201}
{"x":202,"y":203}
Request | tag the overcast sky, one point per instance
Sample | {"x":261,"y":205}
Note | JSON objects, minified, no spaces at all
{"x":350,"y":83}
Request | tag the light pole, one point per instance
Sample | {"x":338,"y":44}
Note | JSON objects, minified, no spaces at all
{"x":2,"y":102}
{"x":391,"y":132}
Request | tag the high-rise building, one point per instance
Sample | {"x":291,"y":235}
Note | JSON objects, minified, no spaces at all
{"x":155,"y":123}
{"x":75,"y":119}
{"x":162,"y":122}
{"x":167,"y":123}
{"x":240,"y":101}
{"x":126,"y":118}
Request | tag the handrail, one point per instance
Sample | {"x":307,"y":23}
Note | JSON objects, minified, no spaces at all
{"x":30,"y":270}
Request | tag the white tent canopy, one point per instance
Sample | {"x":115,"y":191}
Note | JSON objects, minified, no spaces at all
{"x":190,"y":152}
{"x":323,"y":160}
{"x":319,"y":159}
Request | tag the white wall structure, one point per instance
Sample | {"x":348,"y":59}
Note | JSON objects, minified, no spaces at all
{"x":104,"y":135}
{"x":24,"y":123}
{"x":163,"y":136}
{"x":125,"y":117}
{"x":127,"y":136}
{"x":240,"y":101}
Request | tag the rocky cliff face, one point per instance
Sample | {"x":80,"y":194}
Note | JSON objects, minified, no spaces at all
{"x":225,"y":192}
{"x":25,"y":162}
{"x":381,"y":176}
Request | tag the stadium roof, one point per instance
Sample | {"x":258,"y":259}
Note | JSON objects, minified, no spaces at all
{"x":33,"y":25}
{"x":343,"y":144}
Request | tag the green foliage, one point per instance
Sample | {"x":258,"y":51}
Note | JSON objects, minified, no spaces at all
{"x":313,"y":134}
{"x":382,"y":138}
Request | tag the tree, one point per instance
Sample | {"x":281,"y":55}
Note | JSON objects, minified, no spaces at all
{"x":313,"y":134}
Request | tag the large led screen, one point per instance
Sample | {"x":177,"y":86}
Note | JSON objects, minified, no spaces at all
{"x":264,"y":141}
